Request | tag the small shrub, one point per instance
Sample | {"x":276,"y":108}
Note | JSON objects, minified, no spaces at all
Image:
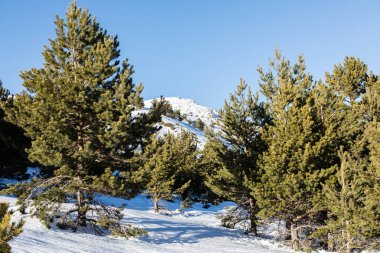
{"x":8,"y":229}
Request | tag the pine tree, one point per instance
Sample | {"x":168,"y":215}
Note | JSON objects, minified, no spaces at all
{"x":8,"y":229}
{"x":162,"y":104}
{"x":352,"y":223}
{"x":167,"y":109}
{"x":293,"y":172}
{"x":352,"y":86}
{"x":372,"y":190}
{"x":232,"y":155}
{"x":165,"y":161}
{"x":349,"y":79}
{"x":79,"y":109}
{"x":348,"y":102}
{"x":199,"y":124}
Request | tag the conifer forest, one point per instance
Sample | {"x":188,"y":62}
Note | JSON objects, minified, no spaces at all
{"x":293,"y":166}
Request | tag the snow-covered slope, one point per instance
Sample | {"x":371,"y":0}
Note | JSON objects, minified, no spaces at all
{"x":195,"y":230}
{"x":191,"y":108}
{"x":193,"y":112}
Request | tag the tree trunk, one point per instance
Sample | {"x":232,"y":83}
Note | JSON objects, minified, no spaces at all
{"x":294,"y":236}
{"x":330,"y":242}
{"x":81,"y":219}
{"x":287,"y":226}
{"x":347,"y":237}
{"x":155,"y":204}
{"x":253,"y":227}
{"x":348,"y":242}
{"x":253,"y":218}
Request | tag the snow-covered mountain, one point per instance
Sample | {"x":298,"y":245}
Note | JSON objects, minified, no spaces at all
{"x":192,"y":112}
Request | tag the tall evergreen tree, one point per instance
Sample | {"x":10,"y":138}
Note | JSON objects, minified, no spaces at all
{"x":232,"y":155}
{"x":79,"y":109}
{"x":370,"y":195}
{"x":292,"y":165}
{"x":350,"y":103}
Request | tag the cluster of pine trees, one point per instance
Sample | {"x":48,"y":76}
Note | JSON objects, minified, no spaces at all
{"x":306,"y":154}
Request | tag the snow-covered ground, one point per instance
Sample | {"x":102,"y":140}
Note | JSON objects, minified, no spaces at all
{"x":195,"y":230}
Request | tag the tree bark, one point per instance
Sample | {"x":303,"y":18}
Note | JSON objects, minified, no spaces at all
{"x":253,"y":227}
{"x":347,"y":237}
{"x":294,"y":236}
{"x":253,"y":218}
{"x":81,"y":219}
{"x":330,"y":242}
{"x":287,"y":226}
{"x":155,"y":204}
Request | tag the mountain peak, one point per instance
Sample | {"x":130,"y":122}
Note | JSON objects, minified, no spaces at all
{"x":191,"y":112}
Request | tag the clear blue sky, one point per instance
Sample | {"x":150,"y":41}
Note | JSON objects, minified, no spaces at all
{"x":200,"y":49}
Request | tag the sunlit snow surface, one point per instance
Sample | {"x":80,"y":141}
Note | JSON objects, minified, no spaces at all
{"x":195,"y":230}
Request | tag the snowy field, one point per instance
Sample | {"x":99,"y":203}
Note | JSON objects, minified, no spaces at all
{"x":195,"y":230}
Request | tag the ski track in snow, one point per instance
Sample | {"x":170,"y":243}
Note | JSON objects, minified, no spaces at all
{"x":195,"y":230}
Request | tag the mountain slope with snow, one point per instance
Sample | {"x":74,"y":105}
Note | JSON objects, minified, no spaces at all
{"x":192,"y":112}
